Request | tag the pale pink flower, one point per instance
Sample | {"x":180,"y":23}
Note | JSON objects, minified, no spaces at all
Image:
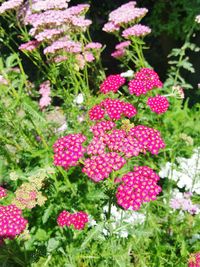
{"x":127,"y":13}
{"x":118,"y":53}
{"x":110,"y":27}
{"x":9,"y":5}
{"x":122,"y":45}
{"x":48,"y":34}
{"x":46,"y":4}
{"x":89,"y":57}
{"x":93,"y":45}
{"x":137,"y":30}
{"x":29,"y":46}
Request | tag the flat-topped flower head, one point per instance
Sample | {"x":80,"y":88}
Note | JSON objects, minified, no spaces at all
{"x":29,"y":46}
{"x":137,"y":30}
{"x":68,"y":150}
{"x":149,"y":138}
{"x":113,"y":108}
{"x":112,"y":83}
{"x":9,"y":5}
{"x":11,"y":222}
{"x":46,"y":5}
{"x":78,"y":219}
{"x":127,"y":13}
{"x":138,"y":187}
{"x":100,"y":167}
{"x":110,"y":27}
{"x":100,"y":128}
{"x":158,"y":104}
{"x":93,"y":45}
{"x":145,"y":80}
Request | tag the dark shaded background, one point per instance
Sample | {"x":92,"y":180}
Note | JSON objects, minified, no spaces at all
{"x":170,"y":21}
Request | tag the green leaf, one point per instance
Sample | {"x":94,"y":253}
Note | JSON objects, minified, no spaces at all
{"x":47,"y":214}
{"x":41,"y":235}
{"x":52,"y":244}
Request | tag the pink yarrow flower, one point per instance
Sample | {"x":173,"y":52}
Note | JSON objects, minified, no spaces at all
{"x":93,"y":45}
{"x":45,"y":100}
{"x":99,"y":167}
{"x":11,"y":223}
{"x":78,"y":219}
{"x":29,"y":46}
{"x":122,"y":45}
{"x":138,"y":187}
{"x":68,"y":150}
{"x":112,"y":83}
{"x":145,"y":80}
{"x":110,"y":27}
{"x":158,"y":104}
{"x":48,"y":34}
{"x":119,"y":53}
{"x":114,"y":108}
{"x":46,"y":4}
{"x":137,"y":30}
{"x":127,"y":13}
{"x":9,"y":5}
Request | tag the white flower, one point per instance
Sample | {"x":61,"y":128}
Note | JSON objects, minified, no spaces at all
{"x":127,"y":74}
{"x":123,"y":234}
{"x":105,"y":232}
{"x":188,"y":174}
{"x":79,"y":99}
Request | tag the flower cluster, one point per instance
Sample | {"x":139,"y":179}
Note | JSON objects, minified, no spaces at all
{"x":185,"y":173}
{"x":78,"y":219}
{"x":182,"y":201}
{"x":28,"y":196}
{"x":101,"y":127}
{"x":3,"y":192}
{"x":149,"y":138}
{"x":11,"y":222}
{"x":45,"y":100}
{"x":46,"y":5}
{"x":112,"y":83}
{"x":120,"y":49}
{"x":145,"y":80}
{"x":114,"y":108}
{"x":158,"y":104}
{"x":125,"y":14}
{"x":99,"y":167}
{"x":138,"y":187}
{"x":68,"y":150}
{"x":137,"y":30}
{"x":29,"y":46}
{"x":194,"y":260}
{"x":9,"y":5}
{"x":54,"y":25}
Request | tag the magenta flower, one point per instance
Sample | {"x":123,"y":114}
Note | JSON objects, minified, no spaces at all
{"x":145,"y":80}
{"x":112,"y":83}
{"x":138,"y":187}
{"x":68,"y":150}
{"x":114,"y":108}
{"x":78,"y":219}
{"x":11,"y":222}
{"x":158,"y":104}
